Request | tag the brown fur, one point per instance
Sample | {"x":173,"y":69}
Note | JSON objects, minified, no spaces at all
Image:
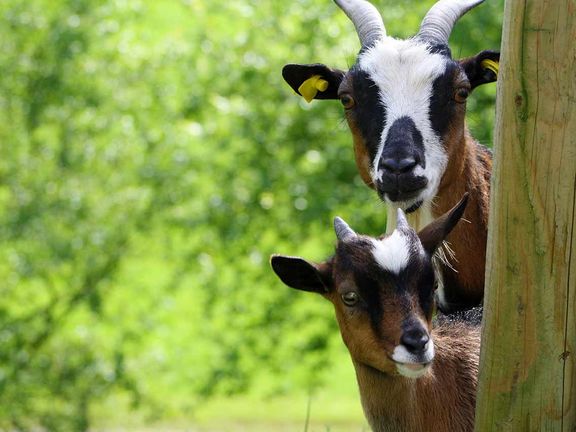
{"x":441,"y":401}
{"x":361,"y":155}
{"x":469,"y":169}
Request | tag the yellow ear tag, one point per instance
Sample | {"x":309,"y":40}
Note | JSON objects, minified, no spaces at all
{"x":309,"y":88}
{"x":490,"y":65}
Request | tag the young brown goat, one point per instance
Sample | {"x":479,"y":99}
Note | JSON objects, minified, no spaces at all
{"x":405,"y":102}
{"x":412,"y":377}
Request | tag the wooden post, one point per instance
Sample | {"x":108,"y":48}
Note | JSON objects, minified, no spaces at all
{"x":528,"y":361}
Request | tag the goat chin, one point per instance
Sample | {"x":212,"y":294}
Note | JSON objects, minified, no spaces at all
{"x":413,"y":370}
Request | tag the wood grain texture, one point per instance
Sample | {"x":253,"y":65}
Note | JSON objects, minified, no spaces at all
{"x":528,"y":358}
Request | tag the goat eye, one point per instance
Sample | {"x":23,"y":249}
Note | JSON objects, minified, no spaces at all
{"x":461,"y":94}
{"x":350,"y":298}
{"x":347,"y":101}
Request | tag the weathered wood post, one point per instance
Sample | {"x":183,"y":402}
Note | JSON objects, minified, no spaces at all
{"x":528,"y":361}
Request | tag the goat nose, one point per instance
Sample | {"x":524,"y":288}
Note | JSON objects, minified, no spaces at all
{"x":398,"y":165}
{"x":415,"y":340}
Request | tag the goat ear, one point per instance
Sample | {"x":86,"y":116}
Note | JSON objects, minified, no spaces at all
{"x":481,"y":68}
{"x":433,"y":234}
{"x":313,"y":81}
{"x":300,"y":274}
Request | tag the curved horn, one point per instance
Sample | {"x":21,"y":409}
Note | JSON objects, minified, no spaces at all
{"x":401,"y":221}
{"x":440,"y":19}
{"x":343,"y":230}
{"x":366,"y":19}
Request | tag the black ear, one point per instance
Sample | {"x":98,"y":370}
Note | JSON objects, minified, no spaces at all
{"x":295,"y":75}
{"x":300,"y":274}
{"x":480,"y":69}
{"x":433,"y":234}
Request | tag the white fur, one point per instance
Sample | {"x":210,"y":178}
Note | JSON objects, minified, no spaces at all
{"x":406,"y":361}
{"x":404,"y":71}
{"x":440,"y":292}
{"x":417,"y":220}
{"x":392,"y":253}
{"x":412,"y":373}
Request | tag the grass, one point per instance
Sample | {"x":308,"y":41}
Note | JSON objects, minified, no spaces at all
{"x":334,"y":408}
{"x":322,"y":412}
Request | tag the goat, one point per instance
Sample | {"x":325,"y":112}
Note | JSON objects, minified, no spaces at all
{"x":411,"y":376}
{"x":405,"y":102}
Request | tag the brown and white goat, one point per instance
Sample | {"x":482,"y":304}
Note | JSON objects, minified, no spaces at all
{"x":405,"y":102}
{"x":411,"y":376}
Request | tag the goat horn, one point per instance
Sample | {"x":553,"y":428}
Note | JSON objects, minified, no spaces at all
{"x":366,"y":19}
{"x":343,"y":230}
{"x":440,"y":19}
{"x":401,"y":221}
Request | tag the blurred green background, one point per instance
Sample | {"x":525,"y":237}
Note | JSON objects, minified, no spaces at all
{"x":152,"y":160}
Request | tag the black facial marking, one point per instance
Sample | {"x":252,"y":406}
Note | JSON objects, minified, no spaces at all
{"x":404,"y":140}
{"x":369,"y":113}
{"x":403,"y":151}
{"x":410,"y":323}
{"x":371,"y":293}
{"x":355,"y":258}
{"x":419,"y":280}
{"x":426,"y":289}
{"x":442,"y":104}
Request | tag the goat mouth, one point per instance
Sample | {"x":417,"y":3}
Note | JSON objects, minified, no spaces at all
{"x":408,"y":205}
{"x":403,"y":190}
{"x":397,"y":196}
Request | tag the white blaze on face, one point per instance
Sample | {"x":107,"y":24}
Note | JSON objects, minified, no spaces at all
{"x":392,"y":253}
{"x":404,"y":71}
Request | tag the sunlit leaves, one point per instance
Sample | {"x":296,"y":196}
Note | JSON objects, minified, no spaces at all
{"x":152,"y":160}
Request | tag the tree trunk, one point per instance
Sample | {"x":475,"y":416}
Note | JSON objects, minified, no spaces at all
{"x":528,"y":360}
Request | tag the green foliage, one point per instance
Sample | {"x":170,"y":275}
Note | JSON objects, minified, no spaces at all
{"x":153,"y":159}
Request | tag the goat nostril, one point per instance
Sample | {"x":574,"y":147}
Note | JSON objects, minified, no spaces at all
{"x":407,"y":164}
{"x":414,"y":341}
{"x":399,"y":165}
{"x":389,"y":164}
